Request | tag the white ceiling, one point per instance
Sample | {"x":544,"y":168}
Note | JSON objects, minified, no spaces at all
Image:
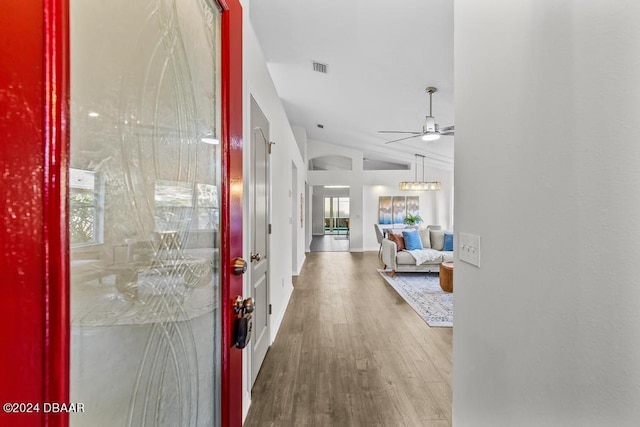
{"x":381,"y":56}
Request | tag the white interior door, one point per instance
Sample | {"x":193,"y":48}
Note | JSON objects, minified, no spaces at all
{"x":259,"y":244}
{"x":294,"y":218}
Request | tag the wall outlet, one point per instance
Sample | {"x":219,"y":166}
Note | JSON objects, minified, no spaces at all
{"x":469,"y":249}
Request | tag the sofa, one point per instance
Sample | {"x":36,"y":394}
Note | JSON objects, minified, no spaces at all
{"x":427,"y":259}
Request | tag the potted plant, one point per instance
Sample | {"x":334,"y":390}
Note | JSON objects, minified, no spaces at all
{"x":412,"y":219}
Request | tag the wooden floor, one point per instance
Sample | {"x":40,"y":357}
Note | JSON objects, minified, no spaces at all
{"x":330,"y":243}
{"x":351,"y":352}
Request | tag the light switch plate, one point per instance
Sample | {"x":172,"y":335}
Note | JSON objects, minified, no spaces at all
{"x":469,"y":250}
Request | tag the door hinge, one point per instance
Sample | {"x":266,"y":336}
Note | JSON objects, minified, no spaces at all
{"x":269,"y":308}
{"x":269,"y":228}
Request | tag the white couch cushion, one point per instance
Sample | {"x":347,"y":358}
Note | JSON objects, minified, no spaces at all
{"x":424,"y":236}
{"x":405,"y":257}
{"x":447,"y":256}
{"x":437,"y":239}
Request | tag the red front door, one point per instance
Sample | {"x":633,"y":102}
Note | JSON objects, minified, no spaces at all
{"x":232,"y":219}
{"x":73,"y":258}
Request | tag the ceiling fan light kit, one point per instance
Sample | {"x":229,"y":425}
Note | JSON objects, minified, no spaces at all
{"x":430,"y":130}
{"x":430,"y":136}
{"x":429,"y":125}
{"x":420,"y":185}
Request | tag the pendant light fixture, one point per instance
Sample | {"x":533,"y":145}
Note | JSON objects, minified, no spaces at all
{"x":420,"y":185}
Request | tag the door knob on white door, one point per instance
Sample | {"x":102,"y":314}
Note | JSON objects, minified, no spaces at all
{"x":256,"y":257}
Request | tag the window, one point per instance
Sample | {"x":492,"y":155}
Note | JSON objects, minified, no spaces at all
{"x":181,"y":206}
{"x":336,"y":215}
{"x":330,"y":163}
{"x":85,"y":213}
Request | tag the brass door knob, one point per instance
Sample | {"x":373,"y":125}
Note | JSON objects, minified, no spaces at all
{"x":239,"y":266}
{"x":245,"y":306}
{"x":249,"y":305}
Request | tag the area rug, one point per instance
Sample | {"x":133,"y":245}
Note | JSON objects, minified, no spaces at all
{"x":423,"y":293}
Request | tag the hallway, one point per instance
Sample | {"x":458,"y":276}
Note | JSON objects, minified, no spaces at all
{"x":330,"y":243}
{"x":351,"y":352}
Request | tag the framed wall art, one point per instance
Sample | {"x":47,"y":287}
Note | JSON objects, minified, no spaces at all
{"x":399,"y":209}
{"x":384,"y":210}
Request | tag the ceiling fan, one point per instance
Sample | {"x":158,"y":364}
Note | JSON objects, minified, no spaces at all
{"x":430,"y":130}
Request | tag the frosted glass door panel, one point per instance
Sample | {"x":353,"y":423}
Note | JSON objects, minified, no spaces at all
{"x":144,"y":212}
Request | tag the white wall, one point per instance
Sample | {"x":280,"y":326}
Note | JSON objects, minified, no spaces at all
{"x":300,"y":134}
{"x":285,"y":152}
{"x":429,"y":210}
{"x":548,"y":173}
{"x":364,"y":188}
{"x":258,"y":83}
{"x":307,"y":218}
{"x":299,"y":158}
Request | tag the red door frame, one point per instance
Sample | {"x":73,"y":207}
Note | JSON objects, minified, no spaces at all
{"x":34,"y":93}
{"x":232,"y":194}
{"x":34,"y":152}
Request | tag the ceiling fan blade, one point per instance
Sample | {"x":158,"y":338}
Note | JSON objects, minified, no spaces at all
{"x":449,"y":130}
{"x":399,"y":131}
{"x":402,"y":139}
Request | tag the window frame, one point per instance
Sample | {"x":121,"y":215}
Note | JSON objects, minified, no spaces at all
{"x":98,"y":205}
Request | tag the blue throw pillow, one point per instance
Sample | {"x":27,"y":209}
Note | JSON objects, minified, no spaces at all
{"x":448,"y":241}
{"x":412,"y":240}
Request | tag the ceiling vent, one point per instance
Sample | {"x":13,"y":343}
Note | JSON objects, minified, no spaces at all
{"x":319,"y":67}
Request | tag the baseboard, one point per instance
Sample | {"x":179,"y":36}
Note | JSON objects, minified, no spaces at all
{"x":297,"y":273}
{"x":280,"y":318}
{"x":246,"y":405}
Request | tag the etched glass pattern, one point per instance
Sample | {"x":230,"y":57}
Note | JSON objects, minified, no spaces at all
{"x":144,"y":201}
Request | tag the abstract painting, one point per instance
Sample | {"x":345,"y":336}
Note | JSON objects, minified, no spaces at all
{"x":384,"y":210}
{"x":399,"y":209}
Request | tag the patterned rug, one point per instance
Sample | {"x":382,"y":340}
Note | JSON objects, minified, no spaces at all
{"x":423,"y":293}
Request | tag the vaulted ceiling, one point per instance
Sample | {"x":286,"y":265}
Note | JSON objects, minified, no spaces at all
{"x":380,"y":57}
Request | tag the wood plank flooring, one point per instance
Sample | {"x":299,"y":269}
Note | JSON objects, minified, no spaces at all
{"x":352,"y":352}
{"x":329,"y":243}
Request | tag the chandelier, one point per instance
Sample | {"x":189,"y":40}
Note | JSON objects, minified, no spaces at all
{"x":423,"y":185}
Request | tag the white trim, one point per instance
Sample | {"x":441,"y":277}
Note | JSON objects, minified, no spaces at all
{"x":278,"y":321}
{"x":300,"y":265}
{"x":246,"y":404}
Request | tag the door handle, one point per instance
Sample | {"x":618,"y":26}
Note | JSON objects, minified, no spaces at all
{"x":244,"y":306}
{"x":241,"y":306}
{"x":239,"y":266}
{"x":256,"y":257}
{"x":243,"y":324}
